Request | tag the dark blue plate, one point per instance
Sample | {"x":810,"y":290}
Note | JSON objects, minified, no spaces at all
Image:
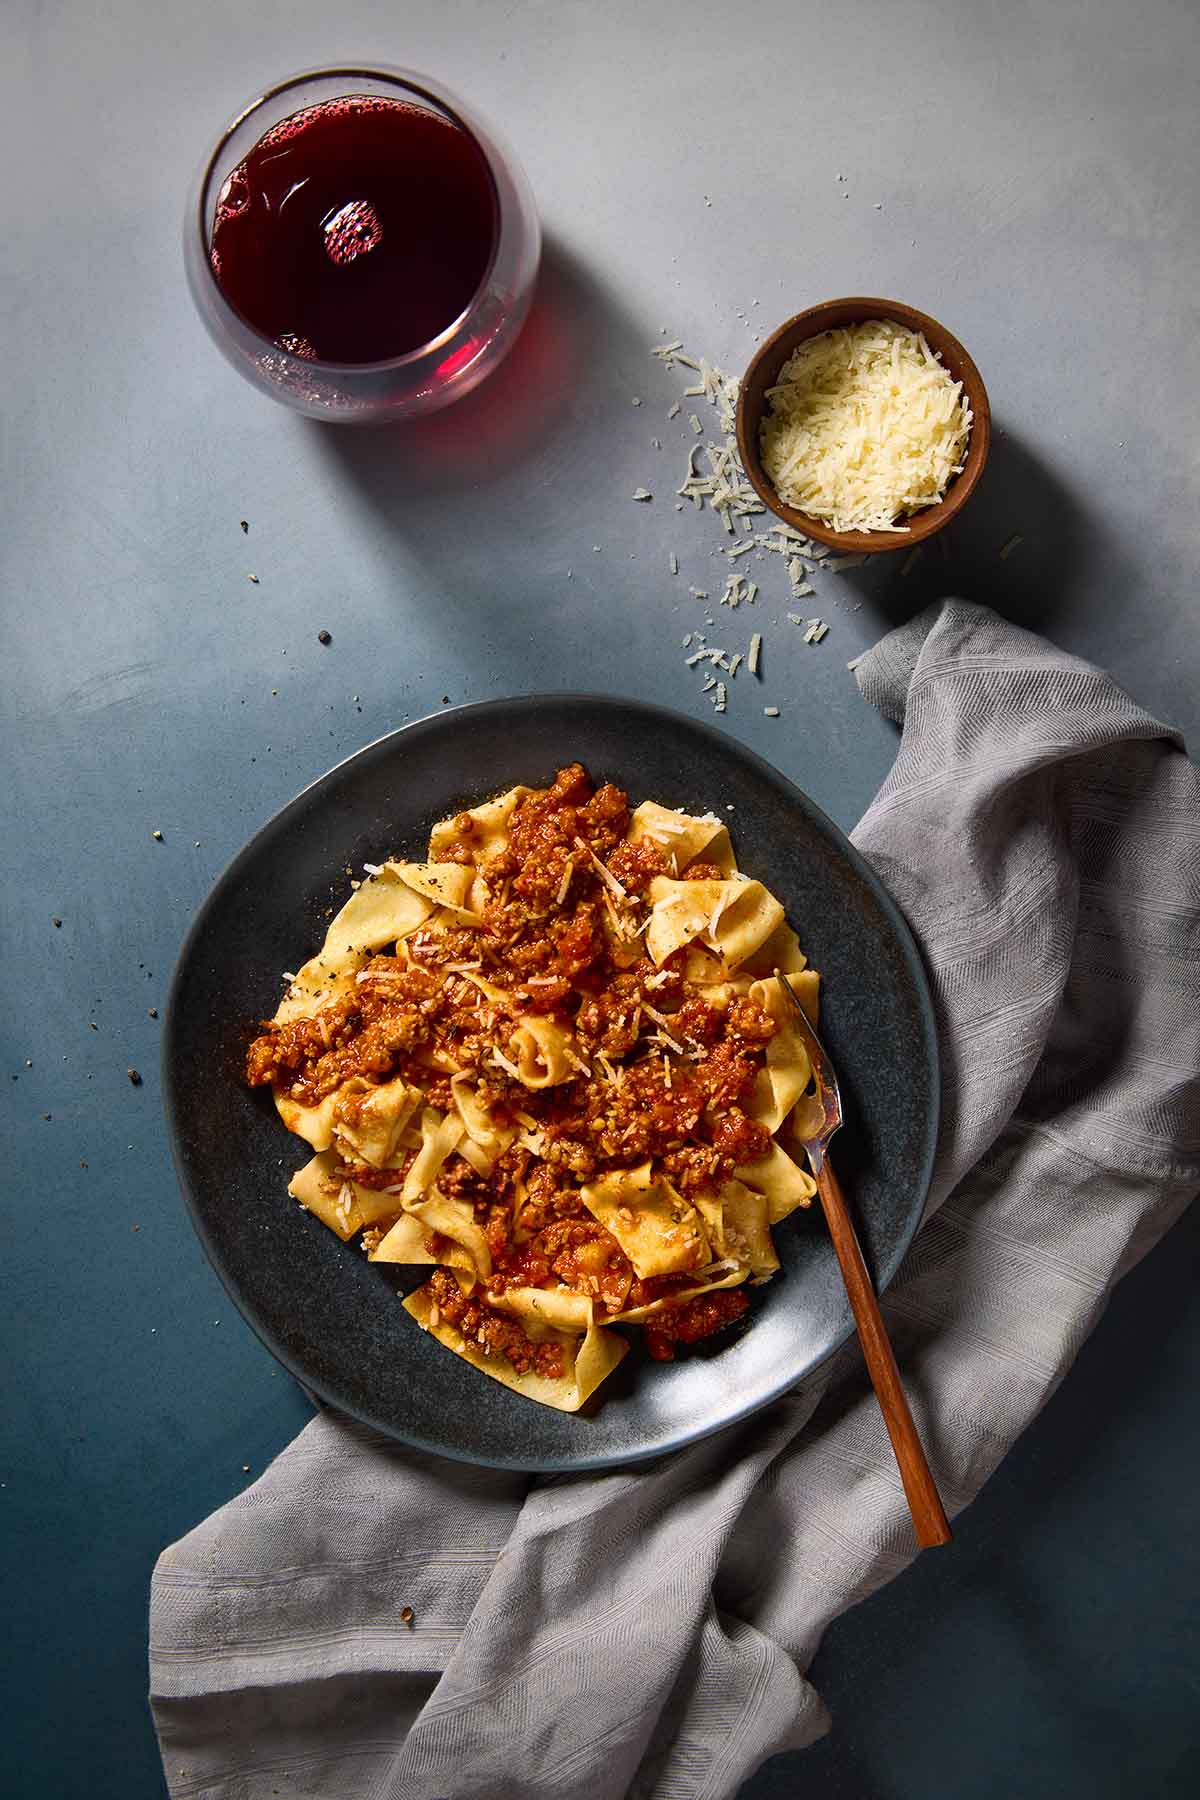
{"x":334,"y":1319}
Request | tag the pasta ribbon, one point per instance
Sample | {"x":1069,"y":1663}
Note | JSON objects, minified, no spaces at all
{"x":660,"y":1232}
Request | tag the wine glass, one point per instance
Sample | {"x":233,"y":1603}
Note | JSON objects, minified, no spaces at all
{"x":419,"y":380}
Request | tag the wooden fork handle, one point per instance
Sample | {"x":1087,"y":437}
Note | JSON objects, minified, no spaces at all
{"x":929,"y":1517}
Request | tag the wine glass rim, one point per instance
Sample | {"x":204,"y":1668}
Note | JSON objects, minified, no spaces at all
{"x":413,"y":83}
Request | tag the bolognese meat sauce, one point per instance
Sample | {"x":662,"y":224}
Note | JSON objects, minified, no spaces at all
{"x":560,"y":937}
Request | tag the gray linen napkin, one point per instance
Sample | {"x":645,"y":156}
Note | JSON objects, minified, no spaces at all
{"x":646,"y":1632}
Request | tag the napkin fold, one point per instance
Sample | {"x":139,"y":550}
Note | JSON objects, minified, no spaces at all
{"x":644,"y":1633}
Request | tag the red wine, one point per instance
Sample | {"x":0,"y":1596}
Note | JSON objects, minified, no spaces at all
{"x":356,"y":230}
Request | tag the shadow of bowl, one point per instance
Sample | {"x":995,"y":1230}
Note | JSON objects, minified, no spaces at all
{"x":1024,"y":507}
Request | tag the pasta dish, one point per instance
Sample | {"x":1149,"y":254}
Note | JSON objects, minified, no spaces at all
{"x":552,"y":1063}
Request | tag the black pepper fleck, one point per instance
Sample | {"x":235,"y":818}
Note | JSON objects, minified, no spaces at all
{"x":57,"y":924}
{"x":134,"y":1077}
{"x":153,"y":1011}
{"x":157,"y":836}
{"x":245,"y":524}
{"x":407,"y":1615}
{"x":324,"y":637}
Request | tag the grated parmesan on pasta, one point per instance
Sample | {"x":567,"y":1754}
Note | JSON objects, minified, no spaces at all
{"x":865,"y":426}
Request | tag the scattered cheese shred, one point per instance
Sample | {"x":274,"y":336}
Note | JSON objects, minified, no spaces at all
{"x":866,"y":426}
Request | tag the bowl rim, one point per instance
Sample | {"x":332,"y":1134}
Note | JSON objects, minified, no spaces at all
{"x":827,"y":315}
{"x":178,"y":1100}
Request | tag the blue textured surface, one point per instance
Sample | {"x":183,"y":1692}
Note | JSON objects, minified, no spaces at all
{"x":1034,"y":173}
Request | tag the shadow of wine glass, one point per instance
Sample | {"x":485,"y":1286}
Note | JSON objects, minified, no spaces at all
{"x":519,"y":424}
{"x":483,"y":500}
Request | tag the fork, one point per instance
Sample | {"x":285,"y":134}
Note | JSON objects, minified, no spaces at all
{"x":924,"y":1503}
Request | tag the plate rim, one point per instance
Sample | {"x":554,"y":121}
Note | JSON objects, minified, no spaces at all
{"x":172,"y":1100}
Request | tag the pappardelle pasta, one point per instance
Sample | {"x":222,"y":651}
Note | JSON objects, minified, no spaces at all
{"x":552,"y":1063}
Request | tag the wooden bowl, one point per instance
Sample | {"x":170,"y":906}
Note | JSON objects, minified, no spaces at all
{"x":763,"y":373}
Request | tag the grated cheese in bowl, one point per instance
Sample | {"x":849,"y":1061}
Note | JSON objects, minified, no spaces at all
{"x":864,"y":426}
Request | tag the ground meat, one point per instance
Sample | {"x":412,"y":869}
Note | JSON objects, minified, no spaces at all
{"x":376,"y":1179}
{"x":387,"y":1031}
{"x":644,"y":1291}
{"x":697,"y":1021}
{"x":509,"y":1169}
{"x":403,"y":981}
{"x":702,"y":871}
{"x":610,"y":1022}
{"x":546,"y":995}
{"x":605,"y":818}
{"x":695,"y":1169}
{"x":543,"y":873}
{"x":437,"y":947}
{"x":749,"y":1025}
{"x":546,"y":828}
{"x":665,"y":986}
{"x":547,"y":1198}
{"x":575,"y":1250}
{"x":496,"y":1228}
{"x":285,"y":1048}
{"x":725,"y":1075}
{"x":543,"y":820}
{"x":529,"y":958}
{"x":569,"y":1154}
{"x":636,"y":865}
{"x":738,"y":1138}
{"x":455,"y":851}
{"x":491,"y":1331}
{"x":643,"y":1116}
{"x":459,"y":1181}
{"x":295,"y":1056}
{"x":694,"y":1320}
{"x":579,"y":941}
{"x":520,"y":1265}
